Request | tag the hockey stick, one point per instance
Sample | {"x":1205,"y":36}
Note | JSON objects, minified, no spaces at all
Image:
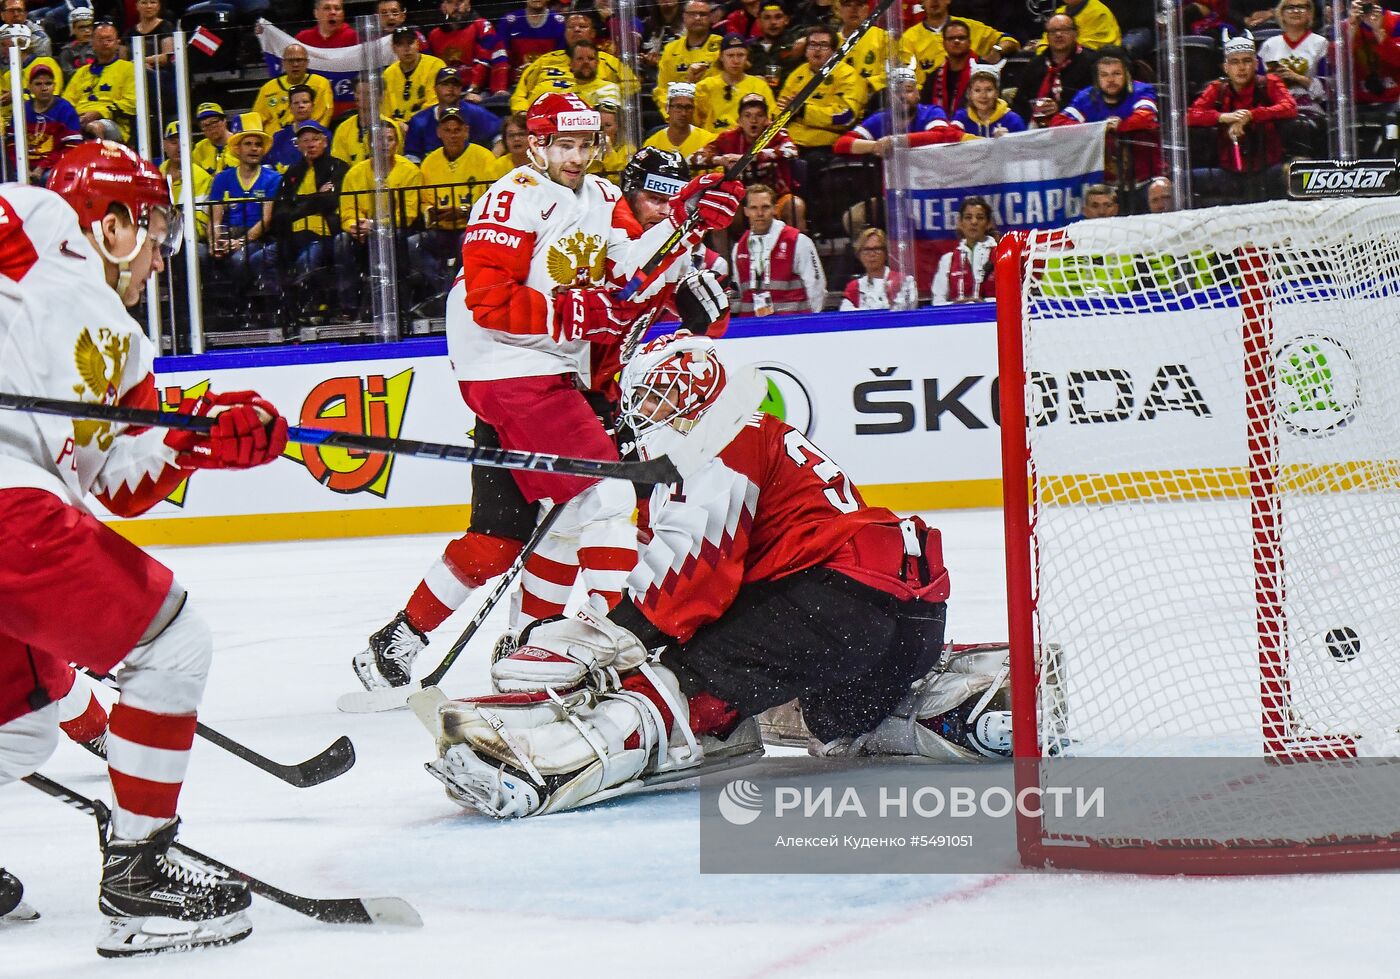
{"x":335,"y":761}
{"x":373,"y":701}
{"x":668,"y":253}
{"x":335,"y":910}
{"x":647,"y":472}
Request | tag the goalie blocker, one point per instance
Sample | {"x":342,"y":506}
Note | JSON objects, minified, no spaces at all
{"x":802,"y":591}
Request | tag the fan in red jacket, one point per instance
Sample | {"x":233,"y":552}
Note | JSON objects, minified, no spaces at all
{"x":1245,"y":110}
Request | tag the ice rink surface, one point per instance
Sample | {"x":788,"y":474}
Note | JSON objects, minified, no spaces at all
{"x":613,"y":891}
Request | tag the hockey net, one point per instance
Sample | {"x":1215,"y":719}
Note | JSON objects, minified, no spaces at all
{"x":1204,"y":408}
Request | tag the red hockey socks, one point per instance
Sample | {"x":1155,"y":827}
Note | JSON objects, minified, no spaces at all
{"x":147,"y":757}
{"x":466,"y":564}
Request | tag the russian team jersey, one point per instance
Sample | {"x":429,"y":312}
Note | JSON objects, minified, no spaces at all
{"x":769,"y":505}
{"x":65,"y":334}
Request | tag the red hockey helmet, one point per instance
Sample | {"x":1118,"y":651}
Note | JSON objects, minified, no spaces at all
{"x":96,"y":174}
{"x":562,"y":112}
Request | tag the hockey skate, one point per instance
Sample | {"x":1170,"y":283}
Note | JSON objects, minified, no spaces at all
{"x":157,"y":900}
{"x":388,"y":659}
{"x":12,"y":908}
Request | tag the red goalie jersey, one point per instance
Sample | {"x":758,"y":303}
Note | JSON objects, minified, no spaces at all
{"x":771,"y":504}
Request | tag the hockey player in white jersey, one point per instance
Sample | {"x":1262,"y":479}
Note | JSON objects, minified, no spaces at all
{"x":530,"y":321}
{"x":72,"y":591}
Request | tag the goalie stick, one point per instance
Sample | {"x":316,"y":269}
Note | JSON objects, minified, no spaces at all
{"x":373,"y":701}
{"x":331,"y":763}
{"x":646,"y":473}
{"x":669,"y":251}
{"x":392,"y":911}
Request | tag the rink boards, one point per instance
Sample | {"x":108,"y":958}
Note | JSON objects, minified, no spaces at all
{"x":906,"y":402}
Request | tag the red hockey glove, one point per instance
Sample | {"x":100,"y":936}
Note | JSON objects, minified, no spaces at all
{"x":240,"y":438}
{"x":592,"y":314}
{"x":714,"y":199}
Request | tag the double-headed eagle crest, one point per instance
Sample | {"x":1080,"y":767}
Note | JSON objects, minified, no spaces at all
{"x":91,"y":358}
{"x":583,"y":259}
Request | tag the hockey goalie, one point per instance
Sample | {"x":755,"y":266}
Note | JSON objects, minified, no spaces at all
{"x":761,"y":578}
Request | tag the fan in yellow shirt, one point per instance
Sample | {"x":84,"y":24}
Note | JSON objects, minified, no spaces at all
{"x":274,"y":103}
{"x":200,"y":179}
{"x":836,"y":104}
{"x":578,"y":26}
{"x":924,"y":42}
{"x":580,"y":77}
{"x":1098,"y":28}
{"x":689,"y":57}
{"x":869,"y":54}
{"x":356,"y":193}
{"x":106,"y":88}
{"x":614,"y":159}
{"x":680,"y":136}
{"x":717,"y":96}
{"x":454,"y":176}
{"x":515,"y":142}
{"x":410,"y":83}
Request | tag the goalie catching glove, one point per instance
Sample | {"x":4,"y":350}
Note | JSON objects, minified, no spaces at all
{"x":248,"y":431}
{"x":528,"y":754}
{"x":564,"y":653}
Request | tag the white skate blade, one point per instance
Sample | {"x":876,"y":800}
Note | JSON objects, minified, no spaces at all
{"x":19,"y":913}
{"x":129,"y":937}
{"x":394,"y":911}
{"x":374,"y":701}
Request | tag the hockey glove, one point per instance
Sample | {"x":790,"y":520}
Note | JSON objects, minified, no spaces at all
{"x":240,"y":438}
{"x":592,"y":314}
{"x":712,"y":198}
{"x":702,"y":303}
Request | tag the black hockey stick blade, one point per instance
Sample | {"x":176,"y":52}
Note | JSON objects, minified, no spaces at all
{"x":335,"y":761}
{"x":331,"y":763}
{"x":391,"y":911}
{"x":644,"y":473}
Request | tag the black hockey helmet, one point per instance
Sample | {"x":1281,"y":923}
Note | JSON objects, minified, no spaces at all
{"x":657,"y":170}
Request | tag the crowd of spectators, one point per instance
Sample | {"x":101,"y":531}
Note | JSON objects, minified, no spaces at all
{"x":286,"y":185}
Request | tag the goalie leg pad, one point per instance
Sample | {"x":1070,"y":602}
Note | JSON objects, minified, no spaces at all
{"x":537,"y":753}
{"x":565,"y":653}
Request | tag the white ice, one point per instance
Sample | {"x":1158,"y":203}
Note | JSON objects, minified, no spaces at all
{"x":614,"y":891}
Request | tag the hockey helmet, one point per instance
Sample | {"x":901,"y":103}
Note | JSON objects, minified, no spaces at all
{"x":562,"y":112}
{"x":983,"y":726}
{"x":669,"y":384}
{"x":94,"y":175}
{"x":656,"y":170}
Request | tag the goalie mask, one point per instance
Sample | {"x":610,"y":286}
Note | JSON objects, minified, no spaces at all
{"x":666,"y":388}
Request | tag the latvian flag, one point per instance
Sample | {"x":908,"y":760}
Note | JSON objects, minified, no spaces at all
{"x":206,"y":41}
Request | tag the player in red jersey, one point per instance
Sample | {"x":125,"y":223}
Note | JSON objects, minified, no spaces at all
{"x":72,"y":591}
{"x":764,"y":577}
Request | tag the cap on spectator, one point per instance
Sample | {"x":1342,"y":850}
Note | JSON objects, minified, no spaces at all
{"x":449,"y":74}
{"x":773,"y":4}
{"x":40,"y":69}
{"x":984,"y":69}
{"x":172,"y":131}
{"x":80,"y":14}
{"x":1239,"y":43}
{"x":251,"y":124}
{"x":209,"y":109}
{"x":753,"y":98}
{"x":680,"y":90}
{"x":452,"y":112}
{"x":402,"y":35}
{"x":905,"y":73}
{"x":313,"y":125}
{"x":609,"y":104}
{"x":733,"y":41}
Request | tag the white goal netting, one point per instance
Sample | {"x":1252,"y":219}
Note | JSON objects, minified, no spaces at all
{"x":1213,"y":458}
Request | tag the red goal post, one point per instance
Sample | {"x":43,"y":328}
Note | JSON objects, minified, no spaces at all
{"x":1201,"y":459}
